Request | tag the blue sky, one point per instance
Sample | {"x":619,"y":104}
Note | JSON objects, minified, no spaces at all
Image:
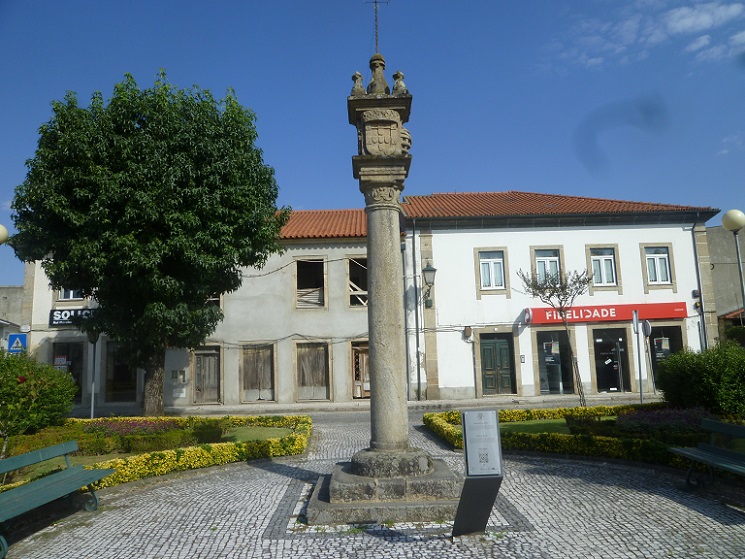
{"x":636,"y":100}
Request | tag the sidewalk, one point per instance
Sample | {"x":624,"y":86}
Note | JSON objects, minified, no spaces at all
{"x":501,"y":401}
{"x":547,"y":508}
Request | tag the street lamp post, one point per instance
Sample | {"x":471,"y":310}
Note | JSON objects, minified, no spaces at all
{"x":734,"y":220}
{"x":93,"y":339}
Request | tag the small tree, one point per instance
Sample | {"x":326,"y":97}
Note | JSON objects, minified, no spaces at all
{"x":150,"y":204}
{"x":33,"y":395}
{"x":559,"y":292}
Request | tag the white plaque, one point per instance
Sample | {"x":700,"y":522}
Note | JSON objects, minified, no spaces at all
{"x":179,"y":392}
{"x":481,"y":442}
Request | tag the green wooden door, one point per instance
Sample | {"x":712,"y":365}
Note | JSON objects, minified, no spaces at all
{"x":489,"y":367}
{"x":496,"y":366}
{"x":504,"y":367}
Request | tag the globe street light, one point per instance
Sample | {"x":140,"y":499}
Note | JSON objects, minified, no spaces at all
{"x":3,"y":234}
{"x":734,"y":220}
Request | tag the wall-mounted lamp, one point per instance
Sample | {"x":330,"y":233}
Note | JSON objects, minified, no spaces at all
{"x":428,"y":273}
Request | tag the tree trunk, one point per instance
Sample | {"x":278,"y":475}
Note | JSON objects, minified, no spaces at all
{"x":575,"y":369}
{"x":152,"y":404}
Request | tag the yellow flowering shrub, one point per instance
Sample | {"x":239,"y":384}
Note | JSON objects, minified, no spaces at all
{"x":202,"y":456}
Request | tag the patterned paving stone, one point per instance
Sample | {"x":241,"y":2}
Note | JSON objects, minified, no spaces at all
{"x":546,"y":508}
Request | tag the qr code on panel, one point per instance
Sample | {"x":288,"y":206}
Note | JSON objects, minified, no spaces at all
{"x":483,"y":457}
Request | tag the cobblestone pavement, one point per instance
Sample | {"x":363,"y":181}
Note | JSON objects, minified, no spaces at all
{"x":546,"y":508}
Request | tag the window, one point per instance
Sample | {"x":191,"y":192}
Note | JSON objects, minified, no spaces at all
{"x":69,"y":357}
{"x":357,"y":282}
{"x":491,"y":270}
{"x":547,"y":264}
{"x":70,"y":294}
{"x":310,"y":284}
{"x":491,"y":265}
{"x":658,"y":265}
{"x":360,"y":370}
{"x":603,"y":266}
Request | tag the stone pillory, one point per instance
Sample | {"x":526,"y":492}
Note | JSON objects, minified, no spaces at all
{"x":390,"y":479}
{"x":382,"y":165}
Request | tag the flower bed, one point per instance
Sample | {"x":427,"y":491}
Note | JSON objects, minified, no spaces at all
{"x":446,"y":425}
{"x":200,"y":456}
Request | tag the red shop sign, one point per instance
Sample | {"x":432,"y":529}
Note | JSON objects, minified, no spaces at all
{"x":607,"y":313}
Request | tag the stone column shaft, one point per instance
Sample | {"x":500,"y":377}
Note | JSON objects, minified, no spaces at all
{"x":388,"y":410}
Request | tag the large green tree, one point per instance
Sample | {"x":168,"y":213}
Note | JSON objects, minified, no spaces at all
{"x":150,"y":203}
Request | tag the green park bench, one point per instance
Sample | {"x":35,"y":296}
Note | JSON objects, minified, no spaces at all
{"x":61,"y":483}
{"x":717,"y":453}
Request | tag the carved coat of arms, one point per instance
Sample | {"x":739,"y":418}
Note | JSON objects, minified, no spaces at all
{"x":382,"y":133}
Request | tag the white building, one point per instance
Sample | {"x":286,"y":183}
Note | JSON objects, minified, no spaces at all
{"x":482,"y":335}
{"x":296,"y":331}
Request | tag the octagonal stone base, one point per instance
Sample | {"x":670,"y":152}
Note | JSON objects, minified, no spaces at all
{"x":412,"y":462}
{"x":344,"y":497}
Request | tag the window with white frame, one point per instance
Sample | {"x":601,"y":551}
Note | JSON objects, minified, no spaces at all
{"x":547,"y":264}
{"x":658,"y":265}
{"x":491,"y":264}
{"x":603,"y":266}
{"x":70,"y":294}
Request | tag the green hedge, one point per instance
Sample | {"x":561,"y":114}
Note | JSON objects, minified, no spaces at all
{"x":201,"y":456}
{"x":446,"y":425}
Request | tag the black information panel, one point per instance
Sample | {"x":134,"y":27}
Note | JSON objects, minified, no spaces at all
{"x":484,"y":474}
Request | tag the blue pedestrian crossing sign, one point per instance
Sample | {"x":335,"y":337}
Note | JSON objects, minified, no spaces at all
{"x":17,"y":343}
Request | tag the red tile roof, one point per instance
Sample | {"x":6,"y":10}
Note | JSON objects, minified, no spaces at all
{"x":325,"y":224}
{"x":514,"y":203}
{"x":345,"y":224}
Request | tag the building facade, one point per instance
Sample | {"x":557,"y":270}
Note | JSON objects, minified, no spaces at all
{"x":483,"y":335}
{"x":725,"y":275}
{"x":296,"y":331}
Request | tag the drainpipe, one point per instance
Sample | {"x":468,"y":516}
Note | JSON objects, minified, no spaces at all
{"x":702,"y":317}
{"x":416,"y":311}
{"x":406,"y":322}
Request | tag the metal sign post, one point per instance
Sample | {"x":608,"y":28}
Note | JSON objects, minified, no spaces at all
{"x":483,"y":453}
{"x":638,"y":354}
{"x":93,"y":339}
{"x":647,"y":331}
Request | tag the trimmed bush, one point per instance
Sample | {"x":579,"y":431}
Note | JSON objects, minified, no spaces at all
{"x":672,"y":425}
{"x":202,"y":456}
{"x":158,"y":441}
{"x":446,"y":425}
{"x":713,"y":379}
{"x":33,"y":395}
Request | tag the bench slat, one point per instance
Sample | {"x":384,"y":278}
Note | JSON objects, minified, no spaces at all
{"x":36,"y":456}
{"x":714,"y":454}
{"x":716,"y":460}
{"x":731,"y":429}
{"x":26,"y":497}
